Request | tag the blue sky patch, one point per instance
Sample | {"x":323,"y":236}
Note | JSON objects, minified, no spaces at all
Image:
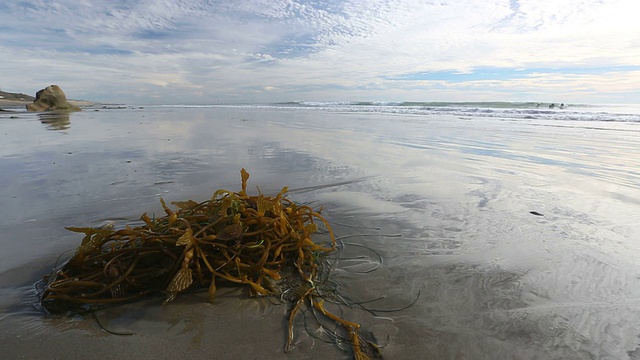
{"x":153,"y":34}
{"x":455,"y":76}
{"x":98,"y":50}
{"x":293,"y":47}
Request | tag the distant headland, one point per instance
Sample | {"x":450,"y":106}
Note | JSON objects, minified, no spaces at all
{"x":10,"y":100}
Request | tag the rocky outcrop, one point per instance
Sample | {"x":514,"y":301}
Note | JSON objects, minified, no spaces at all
{"x":51,"y":98}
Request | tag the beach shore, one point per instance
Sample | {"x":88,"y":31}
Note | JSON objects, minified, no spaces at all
{"x":12,"y":103}
{"x":472,"y":237}
{"x":235,"y":326}
{"x":16,"y":104}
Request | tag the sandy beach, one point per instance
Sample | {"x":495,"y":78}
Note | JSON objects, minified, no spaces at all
{"x":516,"y":238}
{"x":477,"y":161}
{"x":12,"y":105}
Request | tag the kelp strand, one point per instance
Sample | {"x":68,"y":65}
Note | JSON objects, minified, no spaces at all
{"x":233,"y":237}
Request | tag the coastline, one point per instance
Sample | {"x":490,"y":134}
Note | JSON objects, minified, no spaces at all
{"x":8,"y":105}
{"x":445,"y":201}
{"x":12,"y":103}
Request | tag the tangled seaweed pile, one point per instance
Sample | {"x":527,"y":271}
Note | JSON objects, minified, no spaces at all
{"x":260,"y":241}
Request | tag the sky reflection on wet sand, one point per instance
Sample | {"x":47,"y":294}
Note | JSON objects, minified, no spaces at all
{"x":495,"y":281}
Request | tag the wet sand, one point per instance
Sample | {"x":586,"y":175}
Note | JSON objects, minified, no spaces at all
{"x":492,"y":280}
{"x":9,"y":105}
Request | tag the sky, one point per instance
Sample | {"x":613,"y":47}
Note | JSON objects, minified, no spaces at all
{"x":260,"y":51}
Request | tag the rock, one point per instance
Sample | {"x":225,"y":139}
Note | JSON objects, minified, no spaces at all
{"x":51,"y":98}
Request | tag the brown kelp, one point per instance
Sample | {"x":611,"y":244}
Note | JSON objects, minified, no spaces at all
{"x":263,"y":242}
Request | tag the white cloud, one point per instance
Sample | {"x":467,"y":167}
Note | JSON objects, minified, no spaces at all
{"x":297,"y":48}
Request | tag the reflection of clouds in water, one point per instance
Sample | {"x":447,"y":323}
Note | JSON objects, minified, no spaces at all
{"x":55,"y":120}
{"x":359,"y":203}
{"x":455,"y":166}
{"x":273,"y":153}
{"x":459,"y":193}
{"x":132,"y":162}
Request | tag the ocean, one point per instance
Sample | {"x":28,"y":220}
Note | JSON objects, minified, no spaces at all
{"x":474,"y":230}
{"x":513,"y":110}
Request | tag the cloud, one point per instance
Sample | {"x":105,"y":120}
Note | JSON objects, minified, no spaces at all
{"x":279,"y":50}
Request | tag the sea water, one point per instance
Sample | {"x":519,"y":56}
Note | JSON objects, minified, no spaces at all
{"x":511,"y":229}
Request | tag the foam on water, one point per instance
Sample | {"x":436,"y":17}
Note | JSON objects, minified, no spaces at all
{"x":532,"y":111}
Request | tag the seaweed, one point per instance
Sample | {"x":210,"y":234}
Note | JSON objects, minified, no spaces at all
{"x":262,"y":242}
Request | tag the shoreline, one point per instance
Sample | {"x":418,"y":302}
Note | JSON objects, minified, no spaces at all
{"x":12,"y":104}
{"x":435,"y":211}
